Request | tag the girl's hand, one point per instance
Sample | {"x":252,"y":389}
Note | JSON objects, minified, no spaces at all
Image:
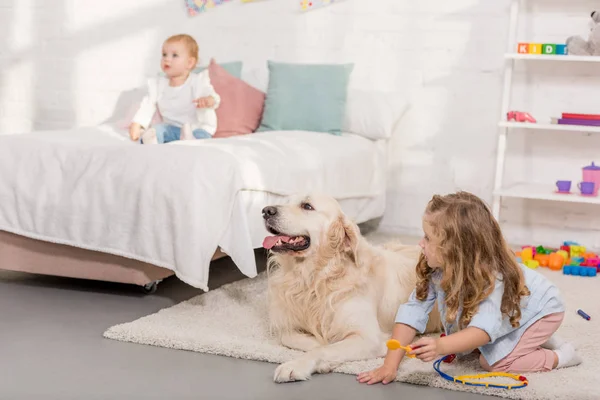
{"x":383,"y":374}
{"x":204,"y":102}
{"x":427,"y":349}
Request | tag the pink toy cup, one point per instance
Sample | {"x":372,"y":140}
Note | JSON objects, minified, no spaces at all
{"x":591,"y":173}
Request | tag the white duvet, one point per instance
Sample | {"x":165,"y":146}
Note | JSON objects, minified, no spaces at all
{"x":168,"y":205}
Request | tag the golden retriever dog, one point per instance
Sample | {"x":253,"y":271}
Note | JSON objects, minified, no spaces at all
{"x":332,"y":294}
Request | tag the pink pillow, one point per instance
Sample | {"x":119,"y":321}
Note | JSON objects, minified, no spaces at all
{"x":241,"y":105}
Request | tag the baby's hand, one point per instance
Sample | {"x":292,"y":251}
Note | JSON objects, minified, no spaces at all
{"x":205,"y":102}
{"x":135,"y":131}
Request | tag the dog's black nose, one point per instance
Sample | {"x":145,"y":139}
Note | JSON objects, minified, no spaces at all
{"x":269,"y":211}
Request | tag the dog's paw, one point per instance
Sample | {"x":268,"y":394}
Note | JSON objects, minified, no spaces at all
{"x":295,"y":370}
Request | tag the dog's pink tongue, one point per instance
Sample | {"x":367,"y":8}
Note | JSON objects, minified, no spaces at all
{"x":270,"y":241}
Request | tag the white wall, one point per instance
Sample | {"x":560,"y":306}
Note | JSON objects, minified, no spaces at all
{"x":65,"y":63}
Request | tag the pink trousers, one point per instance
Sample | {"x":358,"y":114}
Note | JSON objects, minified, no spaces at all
{"x":528,"y":356}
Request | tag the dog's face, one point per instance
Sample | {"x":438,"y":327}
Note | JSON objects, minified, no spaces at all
{"x":300,"y":227}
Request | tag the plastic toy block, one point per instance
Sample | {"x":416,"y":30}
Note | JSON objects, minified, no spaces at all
{"x":523,"y":48}
{"x":533,"y":264}
{"x":556,"y":261}
{"x":527,"y":254}
{"x":549,"y":48}
{"x":561,"y":50}
{"x":595,"y":261}
{"x":540,"y":250}
{"x":578,"y":260}
{"x":577,"y":250}
{"x":579,"y":271}
{"x":563,"y":253}
{"x":543,"y":259}
{"x":566,"y":248}
{"x":570,"y":244}
{"x":535,"y":48}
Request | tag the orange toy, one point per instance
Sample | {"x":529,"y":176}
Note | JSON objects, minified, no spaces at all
{"x":556,"y":261}
{"x":543,"y":259}
{"x":393,"y":344}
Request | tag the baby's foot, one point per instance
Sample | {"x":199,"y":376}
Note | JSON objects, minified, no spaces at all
{"x":553,"y":343}
{"x":567,"y":356}
{"x":149,"y":136}
{"x":186,"y":133}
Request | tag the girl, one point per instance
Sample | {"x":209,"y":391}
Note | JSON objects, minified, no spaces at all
{"x":487,"y":300}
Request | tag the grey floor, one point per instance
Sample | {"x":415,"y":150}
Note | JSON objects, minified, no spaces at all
{"x":51,"y":347}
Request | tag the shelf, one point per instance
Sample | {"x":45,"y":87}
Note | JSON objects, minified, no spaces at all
{"x":545,"y":192}
{"x":549,"y":57}
{"x":549,"y":127}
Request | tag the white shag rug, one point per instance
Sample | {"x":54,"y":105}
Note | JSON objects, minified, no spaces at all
{"x":230,"y":321}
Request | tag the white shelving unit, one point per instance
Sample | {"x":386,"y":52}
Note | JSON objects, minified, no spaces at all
{"x":530,"y":190}
{"x":547,"y":57}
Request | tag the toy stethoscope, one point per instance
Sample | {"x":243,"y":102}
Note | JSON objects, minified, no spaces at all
{"x":470,"y":380}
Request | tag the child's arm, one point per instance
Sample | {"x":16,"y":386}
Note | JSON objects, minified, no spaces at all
{"x":387,"y":372}
{"x":211,"y":98}
{"x":485,"y":327}
{"x":143,"y":116}
{"x":430,"y":349}
{"x":412,"y":316}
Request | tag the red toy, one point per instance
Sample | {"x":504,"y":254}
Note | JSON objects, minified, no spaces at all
{"x":519,"y":116}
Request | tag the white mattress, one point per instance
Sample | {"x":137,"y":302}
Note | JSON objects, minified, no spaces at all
{"x":93,"y":188}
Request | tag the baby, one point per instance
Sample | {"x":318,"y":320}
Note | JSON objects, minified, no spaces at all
{"x":186,"y":101}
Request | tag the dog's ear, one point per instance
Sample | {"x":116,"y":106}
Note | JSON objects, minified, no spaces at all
{"x":343,"y":236}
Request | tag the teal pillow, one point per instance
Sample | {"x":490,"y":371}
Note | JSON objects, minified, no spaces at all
{"x":307,"y":97}
{"x":233,"y":67}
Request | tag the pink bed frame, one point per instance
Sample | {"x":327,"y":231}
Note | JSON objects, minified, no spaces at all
{"x":19,"y":253}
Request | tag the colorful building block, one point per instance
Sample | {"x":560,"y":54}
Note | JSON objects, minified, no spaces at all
{"x":533,"y":264}
{"x":543,"y":259}
{"x":580,"y":271}
{"x":561,"y":50}
{"x":523,"y":48}
{"x":577,"y":251}
{"x":556,"y":261}
{"x":535,"y":48}
{"x":527,"y":254}
{"x":549,"y":48}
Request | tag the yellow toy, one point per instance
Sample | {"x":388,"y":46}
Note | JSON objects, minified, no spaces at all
{"x":393,"y":344}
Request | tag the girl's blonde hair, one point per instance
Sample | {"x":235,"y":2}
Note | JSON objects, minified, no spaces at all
{"x":473,"y":253}
{"x":189,"y":42}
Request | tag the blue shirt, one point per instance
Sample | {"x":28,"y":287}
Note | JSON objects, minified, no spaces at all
{"x":543,"y":300}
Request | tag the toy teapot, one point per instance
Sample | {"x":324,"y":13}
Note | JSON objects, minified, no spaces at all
{"x":591,"y":173}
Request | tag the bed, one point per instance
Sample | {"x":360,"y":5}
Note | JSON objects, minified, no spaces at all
{"x":88,"y":203}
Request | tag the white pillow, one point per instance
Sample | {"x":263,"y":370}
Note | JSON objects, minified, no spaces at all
{"x":373,"y":114}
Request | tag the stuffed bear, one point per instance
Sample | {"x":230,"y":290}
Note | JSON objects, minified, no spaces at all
{"x":576,"y":45}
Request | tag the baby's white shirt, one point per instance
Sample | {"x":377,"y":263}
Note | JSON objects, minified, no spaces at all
{"x":176,"y":104}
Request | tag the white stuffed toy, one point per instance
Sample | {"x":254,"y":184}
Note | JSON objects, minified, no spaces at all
{"x":576,"y":45}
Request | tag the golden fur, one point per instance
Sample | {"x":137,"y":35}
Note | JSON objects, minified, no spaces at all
{"x":474,"y":253}
{"x":336,"y":300}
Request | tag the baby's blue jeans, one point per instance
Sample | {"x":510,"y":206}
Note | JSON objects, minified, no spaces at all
{"x":166,"y":133}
